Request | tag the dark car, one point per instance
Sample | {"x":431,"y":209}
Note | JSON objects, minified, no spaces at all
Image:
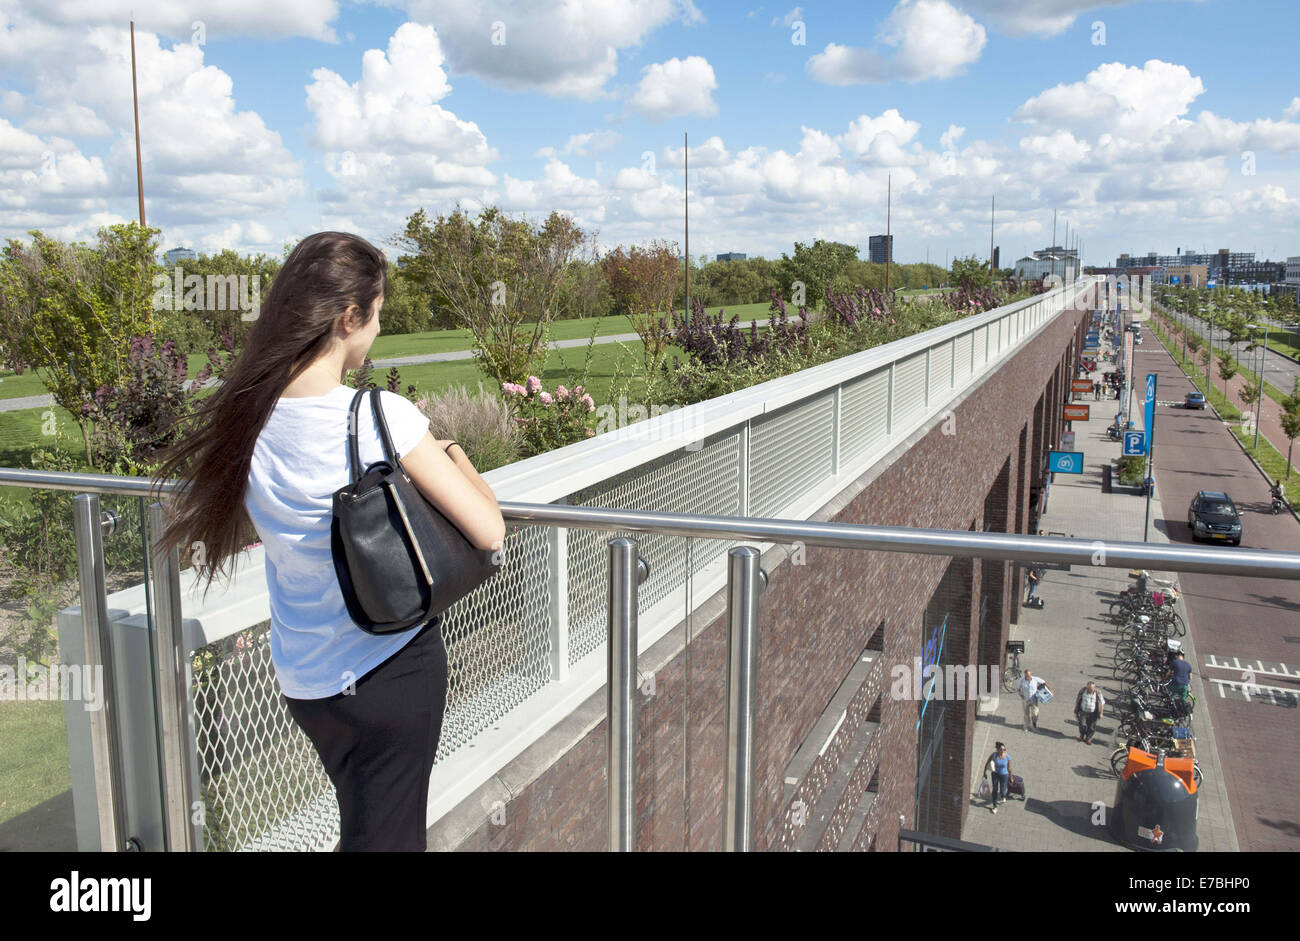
{"x":1194,"y":400}
{"x":1214,"y":516}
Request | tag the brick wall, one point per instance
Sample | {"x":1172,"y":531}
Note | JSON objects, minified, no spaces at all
{"x":815,"y":620}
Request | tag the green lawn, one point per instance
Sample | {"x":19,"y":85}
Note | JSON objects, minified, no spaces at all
{"x":34,"y":760}
{"x":1273,"y":461}
{"x":21,"y":430}
{"x":421,"y":344}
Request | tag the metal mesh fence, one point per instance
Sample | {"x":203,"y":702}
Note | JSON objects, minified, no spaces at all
{"x":261,"y":782}
{"x":705,"y":482}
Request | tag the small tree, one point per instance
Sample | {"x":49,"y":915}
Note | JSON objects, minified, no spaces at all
{"x":817,"y":266}
{"x":1249,"y":393}
{"x":1227,"y":369}
{"x":642,"y":282}
{"x":970,"y":273}
{"x":80,"y":307}
{"x":499,"y":277}
{"x":1291,"y":422}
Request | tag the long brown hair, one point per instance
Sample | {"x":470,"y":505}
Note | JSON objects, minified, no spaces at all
{"x":325,"y":275}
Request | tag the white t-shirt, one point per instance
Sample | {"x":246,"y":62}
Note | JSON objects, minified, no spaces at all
{"x":300,"y":459}
{"x":1028,"y":688}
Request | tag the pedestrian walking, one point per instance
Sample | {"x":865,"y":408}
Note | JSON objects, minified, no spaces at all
{"x":999,"y":768}
{"x":371,"y":704}
{"x":1035,"y":576}
{"x":1089,"y":707}
{"x":1030,"y":687}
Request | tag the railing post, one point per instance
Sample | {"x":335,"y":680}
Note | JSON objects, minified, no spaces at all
{"x":558,"y":575}
{"x":172,"y":692}
{"x":745,"y":581}
{"x":106,"y":745}
{"x":836,"y":427}
{"x":626,"y":571}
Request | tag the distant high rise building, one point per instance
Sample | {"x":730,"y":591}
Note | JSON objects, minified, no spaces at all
{"x":173,"y":255}
{"x":880,"y":248}
{"x":997,"y":253}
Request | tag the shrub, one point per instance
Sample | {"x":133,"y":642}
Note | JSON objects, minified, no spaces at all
{"x":481,"y":424}
{"x":549,"y":421}
{"x":715,"y":341}
{"x":1132,"y":470}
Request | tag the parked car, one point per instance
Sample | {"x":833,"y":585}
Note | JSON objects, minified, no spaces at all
{"x":1194,"y":400}
{"x":1214,"y":516}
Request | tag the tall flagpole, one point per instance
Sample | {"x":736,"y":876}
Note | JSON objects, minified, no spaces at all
{"x":993,"y":200}
{"x":1052,"y":251}
{"x":686,"y":201}
{"x":889,"y":242}
{"x":135,"y":102}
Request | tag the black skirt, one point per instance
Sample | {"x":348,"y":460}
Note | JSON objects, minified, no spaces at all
{"x":377,"y":742}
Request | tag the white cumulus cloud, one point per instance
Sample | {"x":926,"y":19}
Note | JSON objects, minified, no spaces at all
{"x":676,"y":87}
{"x":929,"y":39}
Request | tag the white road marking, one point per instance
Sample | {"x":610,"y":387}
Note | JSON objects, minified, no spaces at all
{"x":1282,"y":672}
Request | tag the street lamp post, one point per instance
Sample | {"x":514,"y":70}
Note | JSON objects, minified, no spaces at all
{"x":1263,"y":359}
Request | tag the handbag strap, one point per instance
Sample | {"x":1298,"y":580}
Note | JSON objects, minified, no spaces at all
{"x":390,"y":452}
{"x":354,"y":457}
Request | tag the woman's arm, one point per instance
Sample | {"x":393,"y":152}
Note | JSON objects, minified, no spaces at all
{"x":466,"y":467}
{"x":456,"y":489}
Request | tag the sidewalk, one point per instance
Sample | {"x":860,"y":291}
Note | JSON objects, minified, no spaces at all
{"x":1069,"y":785}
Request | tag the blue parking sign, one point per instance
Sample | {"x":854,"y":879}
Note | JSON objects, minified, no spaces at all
{"x":1065,"y":462}
{"x":1135,"y":443}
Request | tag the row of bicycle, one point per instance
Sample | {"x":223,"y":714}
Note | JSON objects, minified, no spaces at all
{"x":1155,"y":707}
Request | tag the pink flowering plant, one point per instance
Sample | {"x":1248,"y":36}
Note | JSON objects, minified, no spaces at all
{"x":549,"y":420}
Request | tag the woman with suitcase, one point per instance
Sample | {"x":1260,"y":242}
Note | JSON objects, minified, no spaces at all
{"x":999,"y":765}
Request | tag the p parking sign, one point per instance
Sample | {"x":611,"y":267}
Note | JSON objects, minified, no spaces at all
{"x":1135,"y":443}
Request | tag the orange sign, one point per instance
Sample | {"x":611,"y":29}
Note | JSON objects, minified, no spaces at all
{"x":1082,"y":385}
{"x":1076,"y":412}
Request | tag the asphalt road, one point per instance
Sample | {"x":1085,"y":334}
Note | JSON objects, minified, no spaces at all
{"x":1246,"y":630}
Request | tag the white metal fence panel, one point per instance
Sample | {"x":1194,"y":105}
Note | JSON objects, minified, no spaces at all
{"x":962,"y":350}
{"x":789,"y":454}
{"x":909,"y":389}
{"x":940,"y":370}
{"x":864,"y":414}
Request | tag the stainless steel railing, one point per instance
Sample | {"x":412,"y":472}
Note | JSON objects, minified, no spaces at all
{"x":627,"y":570}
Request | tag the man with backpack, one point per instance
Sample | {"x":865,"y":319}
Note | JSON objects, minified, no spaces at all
{"x":1089,"y":706}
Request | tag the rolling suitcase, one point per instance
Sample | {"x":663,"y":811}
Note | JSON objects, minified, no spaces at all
{"x":1016,"y":786}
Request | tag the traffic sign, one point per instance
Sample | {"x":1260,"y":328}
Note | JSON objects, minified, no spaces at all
{"x":1076,"y":412}
{"x":1135,"y":443}
{"x":1065,"y":462}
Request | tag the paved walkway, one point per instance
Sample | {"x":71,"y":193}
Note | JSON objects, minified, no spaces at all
{"x":1069,"y":785}
{"x":42,"y":401}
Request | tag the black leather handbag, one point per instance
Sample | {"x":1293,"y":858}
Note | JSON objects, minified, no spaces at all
{"x":400,"y":562}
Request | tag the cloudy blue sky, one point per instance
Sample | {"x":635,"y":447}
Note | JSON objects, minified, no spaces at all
{"x":1149,"y":125}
